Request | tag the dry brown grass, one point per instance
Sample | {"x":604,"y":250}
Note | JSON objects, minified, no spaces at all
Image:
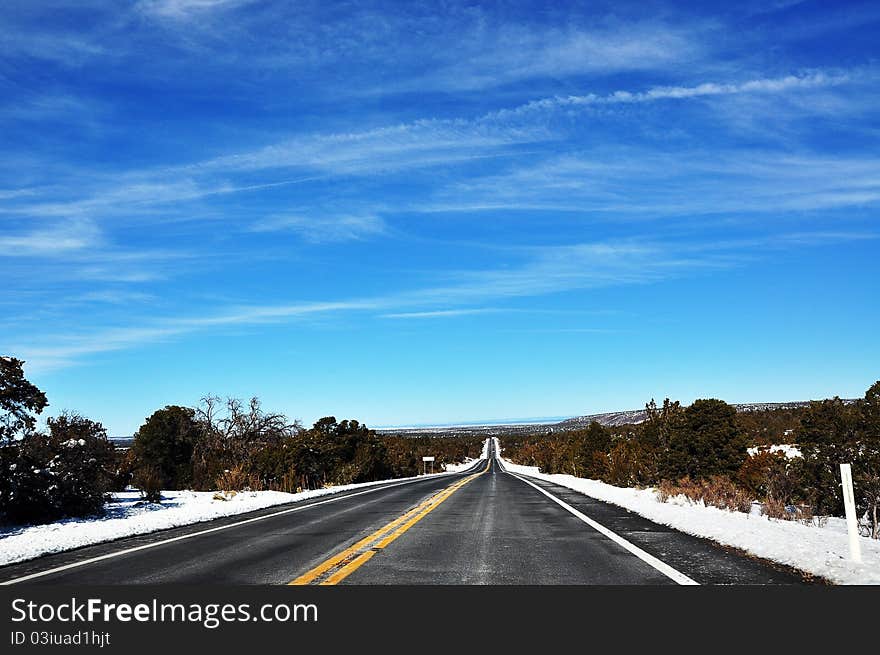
{"x":717,"y":491}
{"x":238,"y":479}
{"x":776,"y":509}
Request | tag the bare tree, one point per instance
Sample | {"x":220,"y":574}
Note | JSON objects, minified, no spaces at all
{"x":233,"y":431}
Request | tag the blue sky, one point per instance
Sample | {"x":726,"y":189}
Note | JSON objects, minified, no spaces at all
{"x":414,"y":213}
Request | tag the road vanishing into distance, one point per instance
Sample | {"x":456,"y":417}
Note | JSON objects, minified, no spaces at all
{"x":483,"y":526}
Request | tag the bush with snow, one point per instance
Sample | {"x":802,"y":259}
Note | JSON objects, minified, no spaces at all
{"x":66,"y":472}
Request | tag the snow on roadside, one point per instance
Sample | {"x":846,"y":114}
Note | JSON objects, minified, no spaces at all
{"x":820,"y":551}
{"x":468,"y":462}
{"x":458,"y":468}
{"x":127,"y":516}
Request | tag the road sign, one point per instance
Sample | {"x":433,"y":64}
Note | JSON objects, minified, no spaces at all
{"x":425,"y":461}
{"x":428,"y":459}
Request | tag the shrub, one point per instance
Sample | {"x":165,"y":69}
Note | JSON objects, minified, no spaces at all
{"x":148,"y":480}
{"x":85,"y":463}
{"x":123,"y":472}
{"x":629,"y":464}
{"x":759,"y":472}
{"x":29,"y":480}
{"x":720,"y":491}
{"x":776,"y":509}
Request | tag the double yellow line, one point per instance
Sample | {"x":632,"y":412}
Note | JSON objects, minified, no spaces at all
{"x":338,"y":567}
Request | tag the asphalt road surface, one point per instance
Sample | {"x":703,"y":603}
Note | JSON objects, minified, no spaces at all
{"x":484,"y":526}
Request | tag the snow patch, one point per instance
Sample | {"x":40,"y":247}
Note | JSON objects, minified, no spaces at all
{"x":789,"y":450}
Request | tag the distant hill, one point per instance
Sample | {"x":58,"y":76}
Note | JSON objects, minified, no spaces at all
{"x":122,"y":443}
{"x":611,"y":419}
{"x":638,"y":415}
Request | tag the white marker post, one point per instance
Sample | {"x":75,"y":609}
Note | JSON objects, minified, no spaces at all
{"x":425,"y":460}
{"x":849,"y":503}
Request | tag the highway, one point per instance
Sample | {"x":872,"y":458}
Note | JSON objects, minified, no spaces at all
{"x":483,"y":526}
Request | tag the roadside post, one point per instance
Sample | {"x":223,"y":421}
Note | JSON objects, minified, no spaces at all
{"x":425,"y":461}
{"x":849,"y":504}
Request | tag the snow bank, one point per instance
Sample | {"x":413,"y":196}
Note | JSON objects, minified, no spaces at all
{"x":821,"y":551}
{"x":127,"y":515}
{"x":457,"y":468}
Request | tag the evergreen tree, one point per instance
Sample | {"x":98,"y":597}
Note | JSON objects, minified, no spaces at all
{"x":595,"y":442}
{"x":19,"y":400}
{"x":866,"y":467}
{"x":660,"y":423}
{"x":163,"y":446}
{"x":827,"y":437}
{"x":706,"y":442}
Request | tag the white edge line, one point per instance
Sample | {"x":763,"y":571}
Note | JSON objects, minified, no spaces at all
{"x":660,"y":565}
{"x":154,"y":544}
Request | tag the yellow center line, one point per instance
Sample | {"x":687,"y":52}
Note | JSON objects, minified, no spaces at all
{"x":338,"y":567}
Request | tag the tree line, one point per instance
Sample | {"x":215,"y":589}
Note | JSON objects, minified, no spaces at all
{"x":229,"y":444}
{"x":702,"y":450}
{"x":70,"y":468}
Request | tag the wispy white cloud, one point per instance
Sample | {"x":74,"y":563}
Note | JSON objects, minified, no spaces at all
{"x":568,"y":330}
{"x":324,"y":228}
{"x":576,"y":267}
{"x":543,"y":271}
{"x":62,"y":238}
{"x":114,"y":297}
{"x":546,"y":270}
{"x":64,"y":48}
{"x":120,"y":192}
{"x":838,"y":17}
{"x":398,"y":147}
{"x":48,"y":107}
{"x":787,"y":240}
{"x":272,"y":313}
{"x":465,"y":47}
{"x":61,"y":351}
{"x":374,"y":152}
{"x":8,"y":194}
{"x":182,"y":9}
{"x":379,"y":151}
{"x":510,"y":53}
{"x":646,"y":183}
{"x":64,"y":351}
{"x":706,"y":89}
{"x":443,"y":313}
{"x":431,"y":141}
